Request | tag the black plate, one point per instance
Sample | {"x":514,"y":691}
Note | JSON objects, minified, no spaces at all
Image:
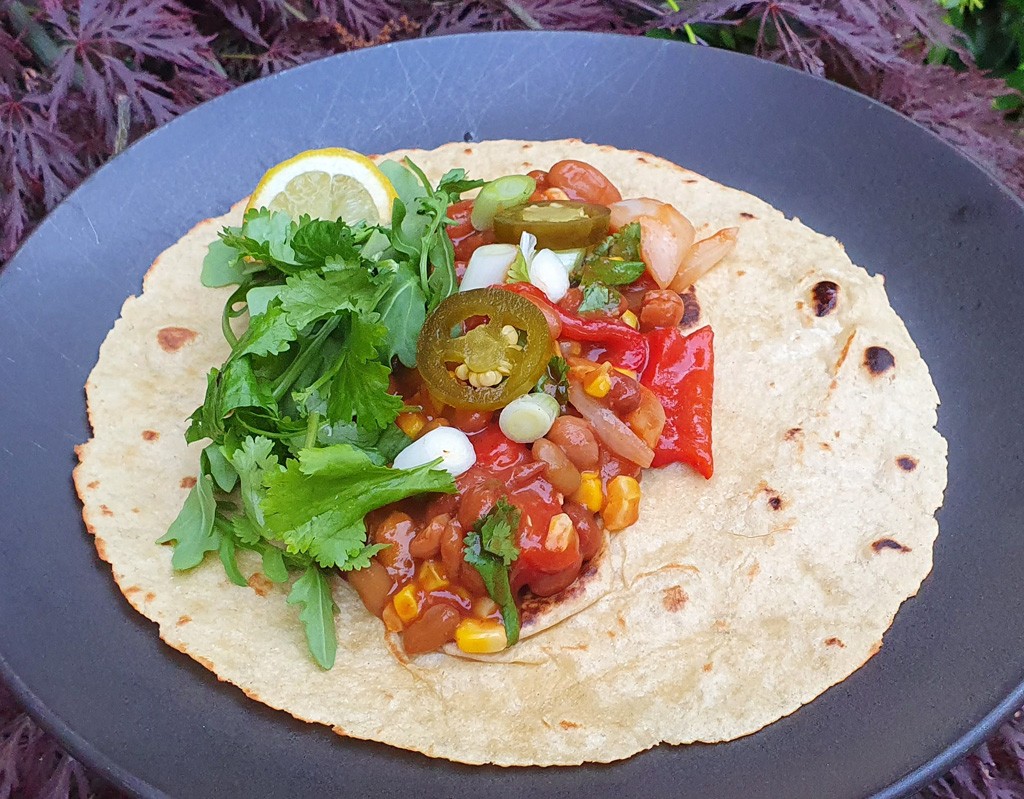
{"x":947,"y":237}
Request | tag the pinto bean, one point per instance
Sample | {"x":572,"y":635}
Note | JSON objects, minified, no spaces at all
{"x":451,"y":548}
{"x":577,"y":440}
{"x":427,"y":542}
{"x":479,"y":500}
{"x":432,"y":630}
{"x":661,"y":308}
{"x":624,"y":395}
{"x":373,"y":586}
{"x":397,"y":530}
{"x":588,"y":528}
{"x":558,"y":468}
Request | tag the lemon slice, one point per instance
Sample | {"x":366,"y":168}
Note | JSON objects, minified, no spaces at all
{"x":332,"y":183}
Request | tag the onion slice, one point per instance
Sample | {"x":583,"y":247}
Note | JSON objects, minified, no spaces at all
{"x":702,"y":256}
{"x":613,"y":432}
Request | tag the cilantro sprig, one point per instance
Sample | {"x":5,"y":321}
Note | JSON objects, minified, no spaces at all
{"x":300,"y":418}
{"x":490,"y":549}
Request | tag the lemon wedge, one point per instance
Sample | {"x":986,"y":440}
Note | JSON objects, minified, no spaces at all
{"x":333,"y":183}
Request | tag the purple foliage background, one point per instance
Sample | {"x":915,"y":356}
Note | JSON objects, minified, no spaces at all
{"x":80,"y":79}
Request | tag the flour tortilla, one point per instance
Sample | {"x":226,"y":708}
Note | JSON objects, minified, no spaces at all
{"x":728,"y":605}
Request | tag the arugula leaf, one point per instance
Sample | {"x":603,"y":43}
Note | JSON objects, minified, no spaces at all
{"x":598,"y":297}
{"x":454,"y":184}
{"x":359,"y":388}
{"x":223,"y":473}
{"x":497,"y":531}
{"x":310,"y":296}
{"x":317,"y":503}
{"x":222,"y":266}
{"x":273,"y":563}
{"x":313,"y":592}
{"x":407,"y":185}
{"x":555,"y":380}
{"x":193,"y":531}
{"x":494,"y":573}
{"x":228,"y":558}
{"x":268,"y":334}
{"x":402,"y":311}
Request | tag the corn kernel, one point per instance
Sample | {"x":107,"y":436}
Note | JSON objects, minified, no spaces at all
{"x":411,"y":424}
{"x":630,"y":319}
{"x":484,"y":606}
{"x":597,"y":383}
{"x":560,"y":533}
{"x":432,"y":575}
{"x":480,"y":636}
{"x":626,"y":372}
{"x":407,"y":603}
{"x":590,"y":494}
{"x":623,"y":506}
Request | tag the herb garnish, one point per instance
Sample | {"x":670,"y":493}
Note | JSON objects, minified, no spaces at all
{"x":300,"y":415}
{"x":491,"y":549}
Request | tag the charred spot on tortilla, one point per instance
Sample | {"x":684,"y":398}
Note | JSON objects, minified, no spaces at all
{"x":172,"y":339}
{"x":792,"y":433}
{"x":708,"y":667}
{"x":260,"y":584}
{"x":182,"y":621}
{"x":187,"y":482}
{"x":675,"y":599}
{"x":775,"y":502}
{"x":568,"y":725}
{"x":534,"y":608}
{"x":833,"y":641}
{"x":150,"y":435}
{"x":878,"y":360}
{"x":106,"y":511}
{"x":691,"y":308}
{"x":888,"y":543}
{"x":747,"y":215}
{"x":94,"y":484}
{"x":906,"y":463}
{"x":826,"y":296}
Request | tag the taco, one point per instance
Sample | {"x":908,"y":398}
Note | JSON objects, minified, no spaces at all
{"x":760,"y":502}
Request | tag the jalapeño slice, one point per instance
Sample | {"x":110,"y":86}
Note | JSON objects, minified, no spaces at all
{"x":557,"y":224}
{"x":510,"y":362}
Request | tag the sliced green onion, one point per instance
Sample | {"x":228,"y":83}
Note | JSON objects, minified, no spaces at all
{"x":571,"y":258}
{"x":498,"y":195}
{"x":529,"y":417}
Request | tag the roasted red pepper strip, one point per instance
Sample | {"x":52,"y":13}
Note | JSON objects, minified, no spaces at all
{"x":626,"y":347}
{"x":681,"y":374}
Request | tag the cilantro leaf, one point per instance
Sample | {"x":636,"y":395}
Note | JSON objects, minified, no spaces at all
{"x":381,"y":449}
{"x":624,"y":244}
{"x":494,"y":573}
{"x":253,"y":460}
{"x":359,"y":387}
{"x":264,"y":237}
{"x":311,"y":296}
{"x":598,"y":297}
{"x":317,"y":240}
{"x":402,"y":311}
{"x":259,"y":298}
{"x":497,"y":531}
{"x":240,"y":388}
{"x":313,"y":592}
{"x":317,"y":503}
{"x":490,"y":549}
{"x":268,"y":334}
{"x":555,"y":380}
{"x":611,"y":272}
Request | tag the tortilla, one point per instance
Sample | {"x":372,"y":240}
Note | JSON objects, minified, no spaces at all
{"x":728,"y":605}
